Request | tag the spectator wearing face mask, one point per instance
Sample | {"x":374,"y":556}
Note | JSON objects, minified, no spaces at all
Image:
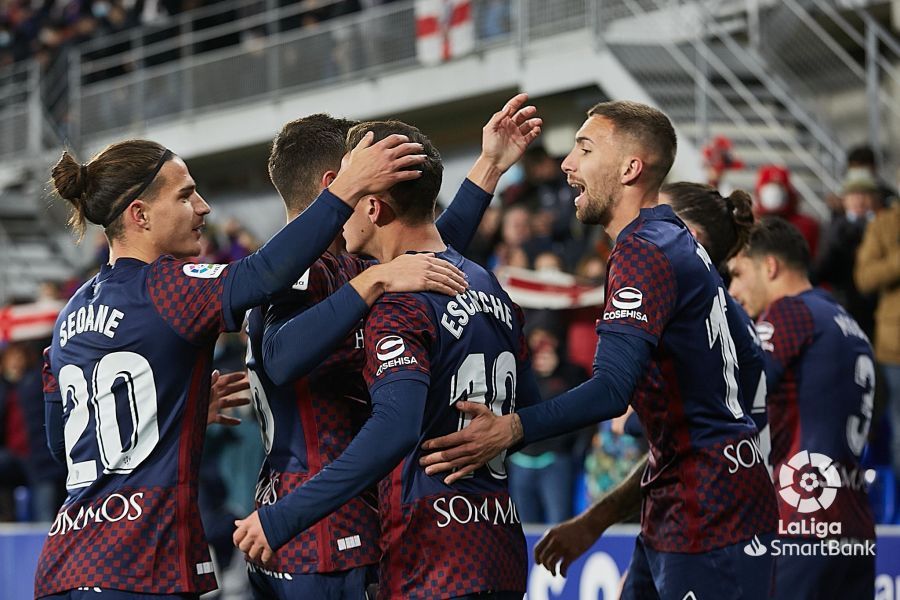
{"x":776,"y":196}
{"x":860,"y":163}
{"x":860,"y":199}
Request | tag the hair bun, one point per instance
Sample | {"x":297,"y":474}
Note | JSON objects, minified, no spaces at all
{"x":70,"y":179}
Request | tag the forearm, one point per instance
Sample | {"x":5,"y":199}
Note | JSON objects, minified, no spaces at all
{"x":294,"y":348}
{"x":485,"y":174}
{"x":285,"y":257}
{"x":622,"y":503}
{"x":390,"y":434}
{"x":458,"y":224}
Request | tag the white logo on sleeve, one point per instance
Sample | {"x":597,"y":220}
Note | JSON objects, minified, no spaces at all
{"x":627,"y":298}
{"x":389,"y":347}
{"x":626,"y":301}
{"x":203,"y":270}
{"x":389,"y":350}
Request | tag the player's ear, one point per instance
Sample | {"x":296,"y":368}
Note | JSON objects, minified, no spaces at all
{"x":772,"y":267}
{"x":631,"y":170}
{"x":327,"y":178}
{"x":381,"y":212}
{"x":138,"y":213}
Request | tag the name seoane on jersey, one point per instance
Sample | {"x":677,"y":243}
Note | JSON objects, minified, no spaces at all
{"x":114,"y":508}
{"x":102,"y":320}
{"x":627,"y":301}
{"x":459,"y":310}
{"x":389,"y":350}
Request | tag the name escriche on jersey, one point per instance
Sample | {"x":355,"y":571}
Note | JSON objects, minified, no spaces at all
{"x":467,"y":305}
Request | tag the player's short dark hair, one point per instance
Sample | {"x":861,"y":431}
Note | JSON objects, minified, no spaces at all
{"x":861,"y":155}
{"x":413,"y":201}
{"x":650,"y":128}
{"x":726,"y":222}
{"x":302,"y":151}
{"x":97,"y":189}
{"x":774,"y":236}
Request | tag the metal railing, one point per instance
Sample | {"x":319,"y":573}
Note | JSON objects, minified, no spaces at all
{"x":240,"y":50}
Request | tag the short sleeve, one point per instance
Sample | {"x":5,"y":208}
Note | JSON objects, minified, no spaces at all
{"x":784,"y":330}
{"x":191,"y":298}
{"x":641,"y":291}
{"x":399,"y":335}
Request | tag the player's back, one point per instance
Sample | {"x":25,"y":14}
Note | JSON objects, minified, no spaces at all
{"x":821,"y":403}
{"x":445,"y":541}
{"x":706,"y":485}
{"x":123,"y":349}
{"x":307,"y":423}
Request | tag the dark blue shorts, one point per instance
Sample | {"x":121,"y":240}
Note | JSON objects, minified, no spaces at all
{"x":815,"y":577}
{"x":93,"y":593}
{"x":341,"y":585}
{"x":729,"y":573}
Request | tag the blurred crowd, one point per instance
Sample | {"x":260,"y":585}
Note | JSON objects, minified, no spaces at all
{"x":532,"y":227}
{"x":44,"y":28}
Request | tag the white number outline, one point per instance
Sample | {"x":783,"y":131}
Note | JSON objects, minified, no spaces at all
{"x":470,"y":384}
{"x":140,"y":385}
{"x":858,"y":427}
{"x":717,"y":330}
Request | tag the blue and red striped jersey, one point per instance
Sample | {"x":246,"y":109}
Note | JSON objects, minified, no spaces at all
{"x":706,"y":485}
{"x":122,"y":350}
{"x":444,"y":541}
{"x":821,"y":380}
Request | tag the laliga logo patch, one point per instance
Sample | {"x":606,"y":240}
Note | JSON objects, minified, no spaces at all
{"x":389,"y":347}
{"x":627,"y":298}
{"x":203,"y":270}
{"x":809,"y":481}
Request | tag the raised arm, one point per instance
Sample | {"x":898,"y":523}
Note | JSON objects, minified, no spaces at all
{"x":503,"y":141}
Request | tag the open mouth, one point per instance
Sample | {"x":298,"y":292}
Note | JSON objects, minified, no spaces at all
{"x":578,"y":188}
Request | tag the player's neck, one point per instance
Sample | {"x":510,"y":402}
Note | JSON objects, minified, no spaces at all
{"x":125,"y":249}
{"x":409,"y":238}
{"x":790,"y":284}
{"x":629,"y":207}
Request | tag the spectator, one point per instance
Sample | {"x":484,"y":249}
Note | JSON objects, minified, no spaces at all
{"x":481,"y":250}
{"x":546,"y":193}
{"x":542,"y":475}
{"x":776,"y":196}
{"x":516,"y":247}
{"x":878,"y":271}
{"x":861,"y":162}
{"x":24,"y":457}
{"x":834,"y":267}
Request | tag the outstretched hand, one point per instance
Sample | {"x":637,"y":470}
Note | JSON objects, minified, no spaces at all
{"x":564,"y":543}
{"x":509,"y":132}
{"x":486,"y":436}
{"x":227,"y":391}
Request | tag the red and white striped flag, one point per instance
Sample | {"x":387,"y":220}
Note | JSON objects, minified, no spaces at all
{"x":547,"y":289}
{"x":444,"y":29}
{"x":34,"y":321}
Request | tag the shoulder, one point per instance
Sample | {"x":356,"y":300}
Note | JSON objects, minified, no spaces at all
{"x":399,"y":307}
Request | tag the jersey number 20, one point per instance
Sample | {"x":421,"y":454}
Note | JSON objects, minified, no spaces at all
{"x":139,"y":389}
